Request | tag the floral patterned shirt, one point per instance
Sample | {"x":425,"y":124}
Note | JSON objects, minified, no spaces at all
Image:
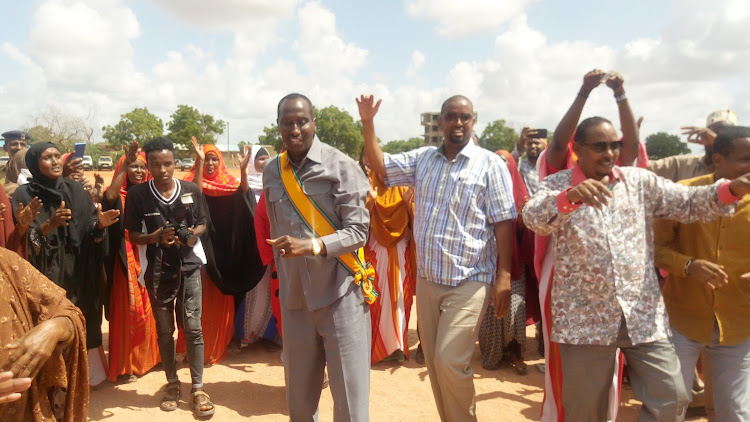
{"x":604,"y":259}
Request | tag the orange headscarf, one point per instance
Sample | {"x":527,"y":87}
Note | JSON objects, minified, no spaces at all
{"x":126,"y":184}
{"x":138,"y":309}
{"x":221,"y":183}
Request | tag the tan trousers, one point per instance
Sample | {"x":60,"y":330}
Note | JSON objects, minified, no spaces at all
{"x":449,"y":319}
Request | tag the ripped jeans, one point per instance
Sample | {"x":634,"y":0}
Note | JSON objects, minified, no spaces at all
{"x":188,"y":314}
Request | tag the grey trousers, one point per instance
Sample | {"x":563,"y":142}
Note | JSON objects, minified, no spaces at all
{"x":188,"y":313}
{"x":338,"y":336}
{"x":654,"y":375}
{"x":730,"y":373}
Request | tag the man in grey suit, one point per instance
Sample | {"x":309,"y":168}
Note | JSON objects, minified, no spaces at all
{"x":326,"y":319}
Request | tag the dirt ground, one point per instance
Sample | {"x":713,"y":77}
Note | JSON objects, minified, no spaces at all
{"x":249,"y":385}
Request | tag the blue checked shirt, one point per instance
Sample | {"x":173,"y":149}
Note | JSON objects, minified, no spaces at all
{"x":456,"y":203}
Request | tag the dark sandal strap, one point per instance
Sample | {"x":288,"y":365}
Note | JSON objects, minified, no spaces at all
{"x":207,"y":401}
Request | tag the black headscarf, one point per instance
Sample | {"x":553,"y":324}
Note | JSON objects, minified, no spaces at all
{"x":67,"y":255}
{"x":52,"y":192}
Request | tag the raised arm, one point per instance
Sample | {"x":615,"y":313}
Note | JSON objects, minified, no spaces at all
{"x":628,"y":124}
{"x":244,"y":184}
{"x":558,"y":148}
{"x":113,"y":191}
{"x":367,"y":111}
{"x":200,"y":159}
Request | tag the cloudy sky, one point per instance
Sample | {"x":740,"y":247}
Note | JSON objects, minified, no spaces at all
{"x":519,"y":60}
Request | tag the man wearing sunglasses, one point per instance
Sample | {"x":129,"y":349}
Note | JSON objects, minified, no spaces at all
{"x":464,"y":212}
{"x":605,"y":295}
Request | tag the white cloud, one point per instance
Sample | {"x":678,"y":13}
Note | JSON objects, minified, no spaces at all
{"x":455,"y":18}
{"x":692,"y":66}
{"x":228,"y":14}
{"x":325,"y":54}
{"x":417,"y":60}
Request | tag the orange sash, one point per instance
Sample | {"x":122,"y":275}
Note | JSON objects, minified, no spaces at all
{"x":321,"y":225}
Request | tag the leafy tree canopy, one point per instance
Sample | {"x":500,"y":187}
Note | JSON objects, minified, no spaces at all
{"x":498,"y":136}
{"x":394,"y":147}
{"x":138,"y":125}
{"x":188,"y":122}
{"x":338,"y":129}
{"x":662,"y":144}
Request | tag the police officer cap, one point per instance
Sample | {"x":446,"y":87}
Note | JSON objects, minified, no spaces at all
{"x":16,"y":134}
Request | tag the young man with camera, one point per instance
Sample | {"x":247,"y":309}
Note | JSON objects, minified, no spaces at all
{"x":167,"y":215}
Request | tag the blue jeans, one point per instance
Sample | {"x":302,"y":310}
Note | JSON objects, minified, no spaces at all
{"x":730,"y":373}
{"x":188,"y":313}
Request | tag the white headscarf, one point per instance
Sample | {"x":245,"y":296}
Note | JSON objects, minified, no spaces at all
{"x":255,"y":177}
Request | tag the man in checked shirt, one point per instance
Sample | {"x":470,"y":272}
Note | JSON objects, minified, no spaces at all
{"x":463,"y":228}
{"x":605,"y":294}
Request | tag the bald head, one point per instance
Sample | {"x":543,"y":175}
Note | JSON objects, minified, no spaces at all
{"x":454,"y":99}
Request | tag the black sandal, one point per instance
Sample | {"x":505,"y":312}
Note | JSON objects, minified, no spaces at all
{"x":171,"y":395}
{"x":206,"y":401}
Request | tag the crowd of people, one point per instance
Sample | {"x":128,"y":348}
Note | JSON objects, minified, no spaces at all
{"x":627,"y":274}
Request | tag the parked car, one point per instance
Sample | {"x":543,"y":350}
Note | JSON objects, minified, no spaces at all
{"x":177,"y":162}
{"x":88,"y":162}
{"x":105,"y":162}
{"x":187,"y":164}
{"x":4,"y":160}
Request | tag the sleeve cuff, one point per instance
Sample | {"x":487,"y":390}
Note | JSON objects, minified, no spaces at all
{"x":564,"y":205}
{"x":726,"y":196}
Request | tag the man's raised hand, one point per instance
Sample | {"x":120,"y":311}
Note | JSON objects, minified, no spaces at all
{"x":368,"y":108}
{"x":591,"y":80}
{"x":699,"y":135}
{"x":614,"y":80}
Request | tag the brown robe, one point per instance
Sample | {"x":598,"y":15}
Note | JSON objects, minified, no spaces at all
{"x":27,"y":298}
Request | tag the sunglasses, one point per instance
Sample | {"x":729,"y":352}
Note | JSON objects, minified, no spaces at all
{"x":454,"y":117}
{"x":603,"y":146}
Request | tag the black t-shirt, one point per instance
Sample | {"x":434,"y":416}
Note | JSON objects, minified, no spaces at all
{"x":146,"y":211}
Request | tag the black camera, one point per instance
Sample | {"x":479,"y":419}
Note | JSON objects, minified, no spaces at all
{"x":181,"y":228}
{"x":183,"y":233}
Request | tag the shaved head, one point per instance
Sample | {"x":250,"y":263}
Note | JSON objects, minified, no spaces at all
{"x":455,"y":98}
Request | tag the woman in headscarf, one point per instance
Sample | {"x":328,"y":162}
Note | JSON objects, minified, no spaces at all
{"x":64,"y":240}
{"x":258,"y":156}
{"x":46,"y":355}
{"x":391,"y":250}
{"x":505,"y":338}
{"x":17,"y":174}
{"x":133,"y":348}
{"x":234,"y":265}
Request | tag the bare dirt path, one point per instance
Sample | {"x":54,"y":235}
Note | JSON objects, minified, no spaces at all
{"x":249,"y":385}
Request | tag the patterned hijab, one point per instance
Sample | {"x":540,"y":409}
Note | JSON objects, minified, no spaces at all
{"x":221,"y":183}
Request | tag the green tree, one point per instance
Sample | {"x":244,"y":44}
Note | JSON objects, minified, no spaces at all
{"x":138,"y":125}
{"x":498,"y":136}
{"x":188,"y":122}
{"x":338,"y":129}
{"x":271,"y":136}
{"x":662,"y":144}
{"x":394,"y":147}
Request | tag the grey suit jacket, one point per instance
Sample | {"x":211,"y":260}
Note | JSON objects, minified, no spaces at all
{"x":339,"y":187}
